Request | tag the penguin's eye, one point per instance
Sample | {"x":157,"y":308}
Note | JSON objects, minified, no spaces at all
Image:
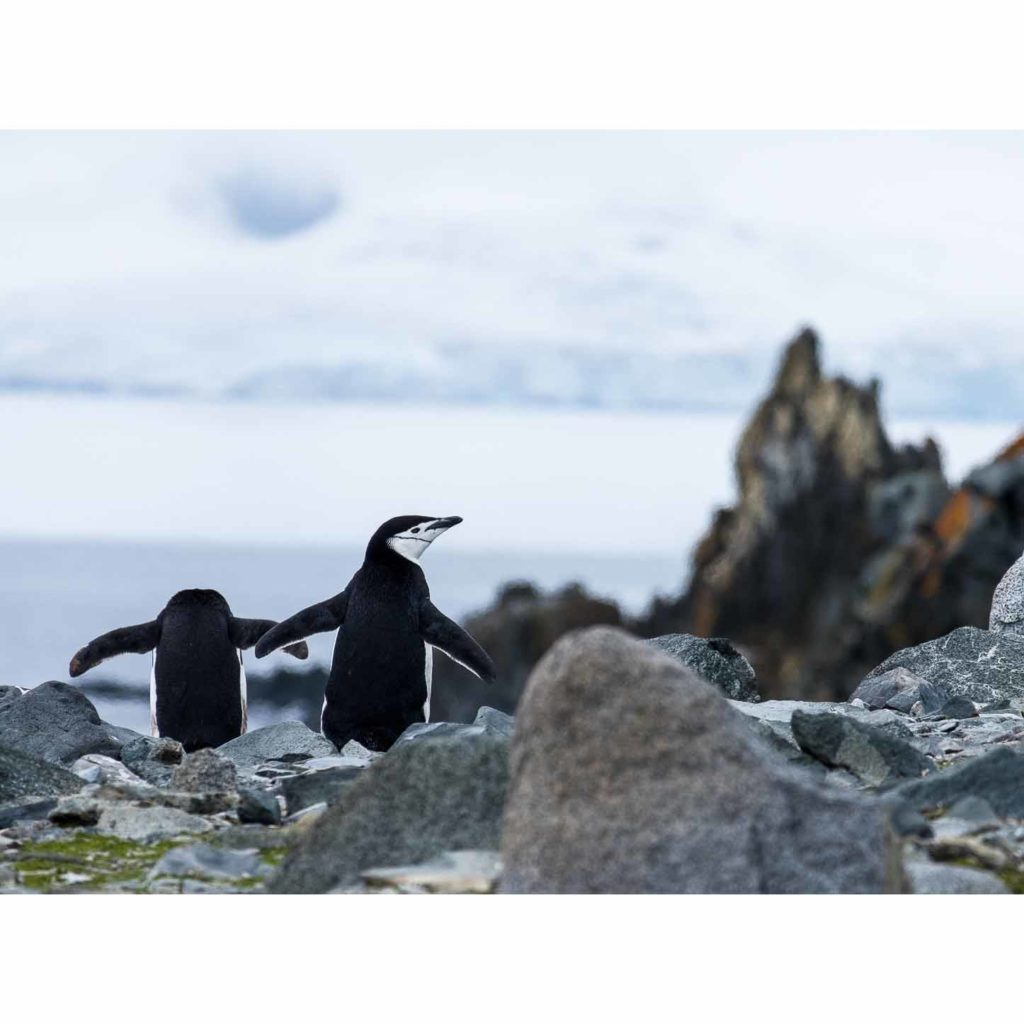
{"x":415,"y":529}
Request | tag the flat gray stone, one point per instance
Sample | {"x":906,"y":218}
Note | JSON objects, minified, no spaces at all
{"x":873,"y":756}
{"x":273,"y":742}
{"x":928,"y":878}
{"x":319,"y":764}
{"x":460,"y":871}
{"x":98,"y":768}
{"x":149,"y":824}
{"x":630,"y":774}
{"x":495,"y":722}
{"x":435,"y":730}
{"x":200,"y":860}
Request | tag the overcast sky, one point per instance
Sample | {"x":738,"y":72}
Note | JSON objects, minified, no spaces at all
{"x":269,"y":262}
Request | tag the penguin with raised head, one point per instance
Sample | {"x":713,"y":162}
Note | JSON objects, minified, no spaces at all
{"x":197,"y":684}
{"x":387,"y":629}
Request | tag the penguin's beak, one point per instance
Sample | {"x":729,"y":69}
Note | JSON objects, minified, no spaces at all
{"x":446,"y":523}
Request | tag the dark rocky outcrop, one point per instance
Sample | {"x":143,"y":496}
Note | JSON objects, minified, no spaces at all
{"x":822,"y":492}
{"x":418,"y":801}
{"x":661,"y":787}
{"x":56,"y":722}
{"x":843,"y":548}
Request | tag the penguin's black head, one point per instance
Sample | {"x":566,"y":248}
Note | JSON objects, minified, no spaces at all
{"x":408,"y":536}
{"x":199,"y":599}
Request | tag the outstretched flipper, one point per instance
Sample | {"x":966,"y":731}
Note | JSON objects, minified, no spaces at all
{"x":317,"y":618}
{"x":245,"y":632}
{"x":439,"y":631}
{"x":126,"y":640}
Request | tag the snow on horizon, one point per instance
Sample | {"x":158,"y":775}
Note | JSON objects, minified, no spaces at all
{"x":582,"y":481}
{"x":591,"y":270}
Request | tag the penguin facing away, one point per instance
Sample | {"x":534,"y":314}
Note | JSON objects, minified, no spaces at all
{"x":387,"y":628}
{"x":197,"y":684}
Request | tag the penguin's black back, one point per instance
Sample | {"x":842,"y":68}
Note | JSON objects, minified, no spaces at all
{"x":377,"y":685}
{"x":198,"y":671}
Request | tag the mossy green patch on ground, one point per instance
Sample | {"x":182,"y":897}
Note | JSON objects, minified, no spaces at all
{"x":273,"y":857}
{"x":1013,"y":879}
{"x":87,"y":862}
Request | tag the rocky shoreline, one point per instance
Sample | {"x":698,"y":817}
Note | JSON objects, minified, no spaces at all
{"x":631,"y":766}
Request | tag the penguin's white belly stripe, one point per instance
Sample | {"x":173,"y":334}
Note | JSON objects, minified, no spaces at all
{"x":428,"y":676}
{"x":242,"y":693}
{"x":323,"y":711}
{"x":153,"y":728}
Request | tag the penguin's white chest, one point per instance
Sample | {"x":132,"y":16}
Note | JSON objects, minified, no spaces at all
{"x":428,"y":674}
{"x":242,"y":694}
{"x":154,"y":729}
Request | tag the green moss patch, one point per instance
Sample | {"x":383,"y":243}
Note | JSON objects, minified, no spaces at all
{"x":1013,"y":879}
{"x":87,"y":862}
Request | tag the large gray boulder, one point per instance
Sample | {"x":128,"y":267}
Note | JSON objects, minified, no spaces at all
{"x":419,"y":801}
{"x":969,"y":662}
{"x":274,"y":742}
{"x":630,"y":774}
{"x":55,"y":722}
{"x":714,"y":660}
{"x":9,"y":694}
{"x":22,"y":775}
{"x":1007,"y":615}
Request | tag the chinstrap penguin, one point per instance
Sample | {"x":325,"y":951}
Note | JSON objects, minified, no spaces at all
{"x":387,"y":628}
{"x":197,"y":684}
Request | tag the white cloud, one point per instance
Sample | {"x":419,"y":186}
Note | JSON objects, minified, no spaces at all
{"x":206,"y":261}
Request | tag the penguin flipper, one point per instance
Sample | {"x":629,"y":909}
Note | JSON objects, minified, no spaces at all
{"x":245,"y":632}
{"x":126,"y":640}
{"x":317,"y":618}
{"x":441,"y":632}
